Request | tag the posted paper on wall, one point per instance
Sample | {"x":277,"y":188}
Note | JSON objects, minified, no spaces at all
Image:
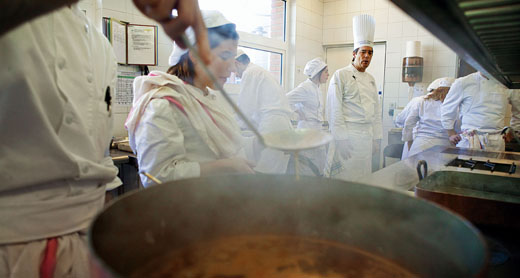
{"x":142,"y":44}
{"x":124,"y":90}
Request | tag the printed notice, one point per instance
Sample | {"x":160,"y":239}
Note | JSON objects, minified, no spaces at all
{"x":118,"y":39}
{"x":142,"y":44}
{"x":124,"y":88}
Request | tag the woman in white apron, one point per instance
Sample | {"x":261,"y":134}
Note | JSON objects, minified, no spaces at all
{"x":305,"y":100}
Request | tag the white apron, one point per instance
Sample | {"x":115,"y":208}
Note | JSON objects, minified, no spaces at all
{"x":421,"y":144}
{"x":482,"y":141}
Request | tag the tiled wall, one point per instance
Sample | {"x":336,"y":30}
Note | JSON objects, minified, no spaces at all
{"x":126,"y":11}
{"x":395,"y":28}
{"x":319,"y":23}
{"x":309,"y":36}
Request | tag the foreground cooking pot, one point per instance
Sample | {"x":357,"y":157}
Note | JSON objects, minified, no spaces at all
{"x":415,"y":234}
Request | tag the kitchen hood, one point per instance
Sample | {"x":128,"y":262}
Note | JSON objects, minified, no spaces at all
{"x":484,"y":33}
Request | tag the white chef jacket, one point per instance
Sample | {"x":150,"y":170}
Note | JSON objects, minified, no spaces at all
{"x":354,"y":120}
{"x":55,"y":126}
{"x":352,"y":99}
{"x":401,"y":118}
{"x":423,"y":126}
{"x":171,"y":141}
{"x":305,"y":101}
{"x":425,"y":114}
{"x":265,"y":104}
{"x":482,"y":104}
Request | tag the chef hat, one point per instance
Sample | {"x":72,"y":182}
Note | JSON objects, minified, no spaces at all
{"x":441,"y":82}
{"x":313,"y":67}
{"x":211,"y":19}
{"x":364,"y":28}
{"x":240,"y":52}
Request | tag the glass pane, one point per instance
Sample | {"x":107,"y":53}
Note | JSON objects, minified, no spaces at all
{"x":261,"y":17}
{"x":271,"y":61}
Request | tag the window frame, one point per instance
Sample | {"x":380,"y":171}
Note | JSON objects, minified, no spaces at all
{"x":278,"y":46}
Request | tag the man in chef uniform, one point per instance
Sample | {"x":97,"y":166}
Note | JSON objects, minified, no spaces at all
{"x":55,"y":124}
{"x":264,"y":102}
{"x":482,"y":104}
{"x":354,"y":110}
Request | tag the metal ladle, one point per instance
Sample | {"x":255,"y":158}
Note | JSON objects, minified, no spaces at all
{"x":293,"y":140}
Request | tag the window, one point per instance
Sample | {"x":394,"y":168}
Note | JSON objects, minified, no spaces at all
{"x":265,"y":18}
{"x":271,"y":61}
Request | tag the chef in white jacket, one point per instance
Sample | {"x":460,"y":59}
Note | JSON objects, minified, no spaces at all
{"x":401,"y":118}
{"x":482,"y":104}
{"x":57,"y":79}
{"x":264,"y":102}
{"x":354,"y":109}
{"x":305,"y":100}
{"x":425,"y":117}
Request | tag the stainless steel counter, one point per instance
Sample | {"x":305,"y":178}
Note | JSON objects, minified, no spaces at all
{"x":403,"y":175}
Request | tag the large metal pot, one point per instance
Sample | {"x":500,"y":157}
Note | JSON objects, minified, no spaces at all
{"x":417,"y":235}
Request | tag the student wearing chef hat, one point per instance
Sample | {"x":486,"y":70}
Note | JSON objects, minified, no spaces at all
{"x":305,"y":100}
{"x":354,"y":110}
{"x":264,"y":102}
{"x":425,"y":117}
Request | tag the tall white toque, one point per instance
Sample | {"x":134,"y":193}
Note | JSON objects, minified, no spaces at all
{"x":364,"y":27}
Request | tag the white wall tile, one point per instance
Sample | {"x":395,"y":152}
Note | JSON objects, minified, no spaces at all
{"x":116,"y":5}
{"x":350,"y":35}
{"x":393,"y":60}
{"x":409,"y":29}
{"x":353,"y":5}
{"x":381,"y":4}
{"x":395,"y":29}
{"x":350,"y":18}
{"x":403,"y":101}
{"x":393,"y":75}
{"x":391,"y":90}
{"x":426,"y":42}
{"x":439,"y":46}
{"x":395,"y":15}
{"x":164,"y":51}
{"x":317,"y":6}
{"x":443,"y":59}
{"x":117,"y":15}
{"x":393,"y":45}
{"x":403,"y":90}
{"x":341,"y":7}
{"x":381,"y":16}
{"x":329,"y":8}
{"x":381,"y":32}
{"x":328,"y":36}
{"x":367,"y":5}
{"x":341,"y":34}
{"x":421,"y":31}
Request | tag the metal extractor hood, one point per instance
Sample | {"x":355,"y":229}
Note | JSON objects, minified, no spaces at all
{"x":484,"y":33}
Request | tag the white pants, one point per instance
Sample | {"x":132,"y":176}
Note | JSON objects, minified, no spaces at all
{"x":316,"y":156}
{"x":359,"y":164}
{"x":22,"y":260}
{"x":423,"y":143}
{"x":484,"y":141}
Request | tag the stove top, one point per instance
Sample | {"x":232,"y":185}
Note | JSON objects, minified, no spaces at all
{"x":509,"y":168}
